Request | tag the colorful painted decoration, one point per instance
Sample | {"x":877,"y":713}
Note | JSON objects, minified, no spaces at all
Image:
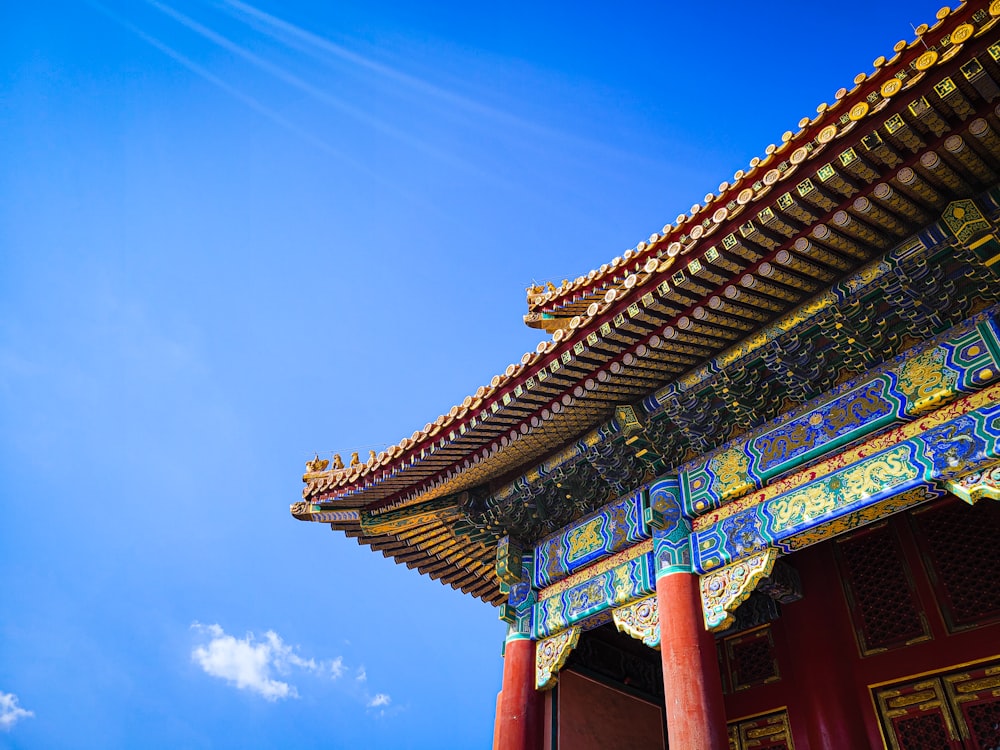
{"x":640,"y":619}
{"x":920,"y":457}
{"x":620,"y":585}
{"x":963,"y":360}
{"x":509,"y":560}
{"x":964,"y":219}
{"x":977,"y":485}
{"x":550,"y":656}
{"x":843,"y":294}
{"x":609,"y":530}
{"x":408,"y":517}
{"x":671,"y":534}
{"x":722,"y":591}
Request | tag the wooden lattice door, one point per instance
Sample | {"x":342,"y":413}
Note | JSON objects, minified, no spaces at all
{"x":959,"y":710}
{"x":974,"y":696}
{"x":915,"y":716}
{"x":768,"y":732}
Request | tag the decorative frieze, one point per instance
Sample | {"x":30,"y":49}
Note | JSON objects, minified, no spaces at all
{"x":914,"y":462}
{"x":620,"y":585}
{"x":963,"y":360}
{"x":609,"y":530}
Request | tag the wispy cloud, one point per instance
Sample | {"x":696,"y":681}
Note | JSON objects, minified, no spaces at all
{"x":501,"y":120}
{"x":323,"y":95}
{"x":278,"y":28}
{"x":361,"y":675}
{"x":337,"y":668}
{"x":247,"y":99}
{"x":10,"y":712}
{"x":379,"y":699}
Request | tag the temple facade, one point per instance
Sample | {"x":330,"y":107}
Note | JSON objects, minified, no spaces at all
{"x":745,"y":494}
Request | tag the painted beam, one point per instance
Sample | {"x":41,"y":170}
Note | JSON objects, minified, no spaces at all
{"x":962,"y":360}
{"x":912,"y":462}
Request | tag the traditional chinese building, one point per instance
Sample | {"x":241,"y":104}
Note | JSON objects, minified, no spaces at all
{"x":745,"y":495}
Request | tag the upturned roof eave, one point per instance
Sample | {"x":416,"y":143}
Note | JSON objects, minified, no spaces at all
{"x":640,"y":268}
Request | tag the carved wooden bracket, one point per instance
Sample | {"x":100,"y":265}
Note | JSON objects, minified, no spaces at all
{"x":974,"y":487}
{"x":723,"y":590}
{"x":551,"y":654}
{"x":640,"y":619}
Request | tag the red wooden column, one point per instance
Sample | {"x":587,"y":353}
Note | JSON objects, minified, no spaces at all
{"x":519,"y":708}
{"x":823,"y":653}
{"x":696,"y":714}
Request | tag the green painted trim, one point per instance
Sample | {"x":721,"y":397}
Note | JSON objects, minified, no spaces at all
{"x":674,"y":570}
{"x":989,"y":333}
{"x":511,"y":637}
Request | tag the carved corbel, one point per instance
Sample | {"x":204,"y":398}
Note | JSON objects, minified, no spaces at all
{"x":641,"y":620}
{"x":550,"y":656}
{"x":723,"y":590}
{"x":974,"y":487}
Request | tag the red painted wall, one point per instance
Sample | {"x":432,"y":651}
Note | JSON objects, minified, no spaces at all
{"x":594,"y":716}
{"x":824,"y":679}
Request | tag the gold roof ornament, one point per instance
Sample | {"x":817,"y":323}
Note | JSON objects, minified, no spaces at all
{"x":317,"y":464}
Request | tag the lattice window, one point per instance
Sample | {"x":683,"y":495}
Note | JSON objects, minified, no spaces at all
{"x":984,"y":723}
{"x":959,"y":544}
{"x":750,"y":659}
{"x":768,"y":732}
{"x":924,"y":732}
{"x":720,"y":649}
{"x":880,"y":592}
{"x":734,"y":737}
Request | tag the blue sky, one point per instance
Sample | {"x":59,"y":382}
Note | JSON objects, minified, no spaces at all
{"x":234,"y":235}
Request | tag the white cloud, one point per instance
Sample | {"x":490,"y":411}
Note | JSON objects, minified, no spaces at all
{"x":249,"y":664}
{"x":10,"y":712}
{"x":263,"y":665}
{"x":337,"y":668}
{"x":285,"y":656}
